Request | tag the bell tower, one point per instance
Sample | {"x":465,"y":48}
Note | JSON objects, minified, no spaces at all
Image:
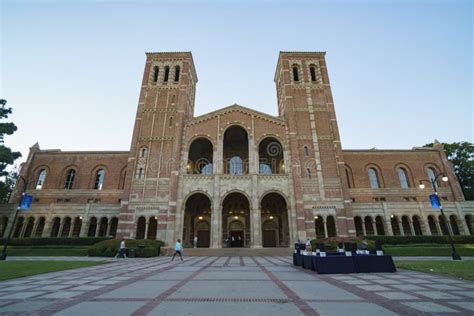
{"x":305,"y":101}
{"x":166,"y":101}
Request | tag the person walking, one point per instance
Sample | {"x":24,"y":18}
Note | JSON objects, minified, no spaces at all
{"x":122,"y":250}
{"x":195,"y":241}
{"x":177,"y":250}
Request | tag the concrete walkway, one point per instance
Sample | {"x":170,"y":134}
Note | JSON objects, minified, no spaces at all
{"x":231,"y":286}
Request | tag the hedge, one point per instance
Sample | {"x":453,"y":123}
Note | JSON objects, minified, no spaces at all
{"x":404,"y":240}
{"x":50,"y":241}
{"x":144,"y":248}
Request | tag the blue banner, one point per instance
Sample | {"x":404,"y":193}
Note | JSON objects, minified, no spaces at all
{"x":26,"y":202}
{"x":434,"y":199}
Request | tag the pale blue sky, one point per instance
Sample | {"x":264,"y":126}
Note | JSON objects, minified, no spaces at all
{"x":401,"y":71}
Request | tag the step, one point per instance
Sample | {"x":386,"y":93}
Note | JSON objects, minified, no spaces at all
{"x":235,"y":252}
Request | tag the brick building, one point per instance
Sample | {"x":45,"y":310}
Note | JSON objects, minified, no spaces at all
{"x":236,"y":173}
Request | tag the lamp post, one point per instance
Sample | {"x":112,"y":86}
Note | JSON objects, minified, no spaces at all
{"x":3,"y":256}
{"x":454,"y":254}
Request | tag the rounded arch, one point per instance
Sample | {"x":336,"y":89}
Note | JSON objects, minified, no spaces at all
{"x":270,"y":156}
{"x":227,"y":193}
{"x":406,"y":225}
{"x":283,"y":195}
{"x":209,"y":138}
{"x":378,"y":170}
{"x":417,"y":225}
{"x":349,"y":176}
{"x":274,"y":207}
{"x":379,"y":224}
{"x":432,"y":225}
{"x":64,"y":175}
{"x":358,"y":223}
{"x":454,"y":222}
{"x":36,"y":174}
{"x":394,"y":222}
{"x":197,"y":208}
{"x":236,"y":150}
{"x":431,"y":170}
{"x":200,"y":156}
{"x":409,"y":173}
{"x":56,"y":224}
{"x":40,"y":226}
{"x":188,"y":195}
{"x":92,"y":226}
{"x":93,"y":173}
{"x":143,"y":151}
{"x":369,"y":225}
{"x":469,"y":223}
{"x":122,"y":179}
{"x":30,"y":223}
{"x":141,"y":227}
{"x":236,"y":206}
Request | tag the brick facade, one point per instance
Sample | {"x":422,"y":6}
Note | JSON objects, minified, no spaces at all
{"x":236,"y":173}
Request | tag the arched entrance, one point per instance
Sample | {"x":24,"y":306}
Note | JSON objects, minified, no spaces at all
{"x":197,"y":216}
{"x":275,"y":227}
{"x":236,"y":220}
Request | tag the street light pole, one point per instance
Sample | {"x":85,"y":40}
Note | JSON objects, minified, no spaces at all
{"x":3,"y":256}
{"x":432,"y":181}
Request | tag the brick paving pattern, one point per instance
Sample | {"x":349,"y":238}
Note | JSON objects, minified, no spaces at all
{"x":231,"y":286}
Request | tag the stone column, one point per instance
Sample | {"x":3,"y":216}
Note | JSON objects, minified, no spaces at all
{"x":412,"y":229}
{"x":363,"y":227}
{"x":325,"y":225}
{"x":374,"y":227}
{"x":109,"y":223}
{"x":23,"y":228}
{"x":464,"y":229}
{"x":35,"y":227}
{"x":400,"y":226}
{"x":61,"y":226}
{"x":146,"y":230}
{"x":84,"y":229}
{"x":256,"y":216}
{"x":438,"y":227}
{"x":97,"y":228}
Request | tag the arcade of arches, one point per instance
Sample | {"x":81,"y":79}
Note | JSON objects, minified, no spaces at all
{"x":236,"y":222}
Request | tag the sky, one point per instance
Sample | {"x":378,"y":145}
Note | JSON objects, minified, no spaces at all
{"x":401,"y":72}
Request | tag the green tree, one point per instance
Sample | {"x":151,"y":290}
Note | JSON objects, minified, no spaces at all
{"x":7,"y":156}
{"x":462,"y":156}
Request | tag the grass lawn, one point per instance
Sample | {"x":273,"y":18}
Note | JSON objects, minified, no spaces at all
{"x":17,"y":269}
{"x":428,"y":250}
{"x":47,"y":251}
{"x":456,"y":269}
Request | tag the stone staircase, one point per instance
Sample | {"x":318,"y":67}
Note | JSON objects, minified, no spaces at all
{"x":234,"y":252}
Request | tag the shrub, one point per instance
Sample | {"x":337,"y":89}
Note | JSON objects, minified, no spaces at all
{"x":404,"y":240}
{"x":51,"y":241}
{"x":144,"y":248}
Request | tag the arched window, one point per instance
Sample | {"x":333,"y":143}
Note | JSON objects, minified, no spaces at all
{"x":358,"y":226}
{"x":432,"y":225}
{"x":170,"y":122}
{"x":167,"y":74}
{"x":306,"y":151}
{"x":270,"y":156}
{"x":312,"y":71}
{"x":453,"y":220}
{"x":373,"y":178}
{"x":99,"y":179}
{"x":379,"y":225}
{"x":143,"y":152}
{"x":403,"y":176}
{"x":431,"y":173}
{"x":331,"y":226}
{"x":140,"y":173}
{"x":349,"y":177}
{"x":395,"y":226}
{"x":417,"y":225}
{"x":176,"y":73}
{"x":236,"y":150}
{"x":156,"y":71}
{"x":41,"y":179}
{"x":71,"y":175}
{"x":296,"y":76}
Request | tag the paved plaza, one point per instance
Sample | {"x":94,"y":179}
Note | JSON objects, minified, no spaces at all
{"x":231,"y":286}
